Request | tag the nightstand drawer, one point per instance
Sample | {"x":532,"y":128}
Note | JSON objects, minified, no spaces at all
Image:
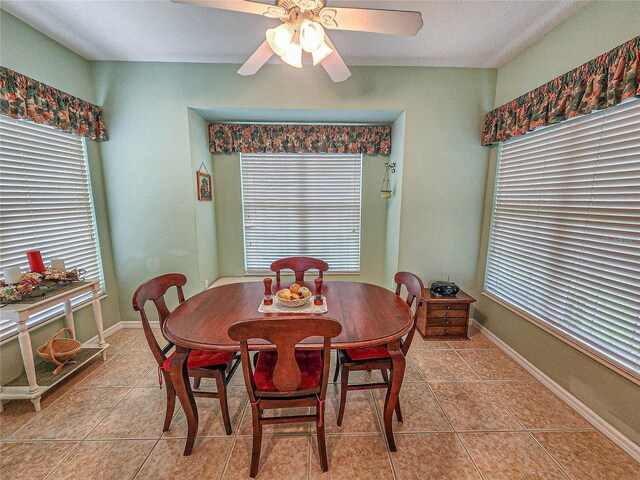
{"x":447,"y":306}
{"x":447,"y":321}
{"x":447,"y":313}
{"x":446,"y":331}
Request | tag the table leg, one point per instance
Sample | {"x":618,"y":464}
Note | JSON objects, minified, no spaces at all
{"x":68,"y":313}
{"x":180,"y":380}
{"x":97,"y":315}
{"x":393,"y":392}
{"x":27,"y":359}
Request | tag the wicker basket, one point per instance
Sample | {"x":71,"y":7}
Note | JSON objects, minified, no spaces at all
{"x":60,"y":351}
{"x":296,"y":303}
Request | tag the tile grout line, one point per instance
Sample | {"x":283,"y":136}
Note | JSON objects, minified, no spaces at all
{"x":309,"y":450}
{"x":52,"y":403}
{"x":455,"y":432}
{"x":504,"y":405}
{"x":88,"y":433}
{"x":473,"y":460}
{"x":380,"y":420}
{"x":146,"y":458}
{"x":234,"y":441}
{"x":74,"y":387}
{"x":550,"y":456}
{"x":62,"y":460}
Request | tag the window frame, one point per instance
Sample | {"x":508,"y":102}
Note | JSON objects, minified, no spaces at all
{"x":530,"y":316}
{"x":56,"y":312}
{"x":266,"y":270}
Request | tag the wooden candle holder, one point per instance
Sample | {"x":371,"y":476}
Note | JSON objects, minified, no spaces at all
{"x":318,"y":298}
{"x":268,"y":295}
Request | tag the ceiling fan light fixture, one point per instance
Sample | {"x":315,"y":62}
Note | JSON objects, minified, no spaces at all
{"x":321,"y":53}
{"x":280,"y":38}
{"x":293,"y":55}
{"x":311,"y":36}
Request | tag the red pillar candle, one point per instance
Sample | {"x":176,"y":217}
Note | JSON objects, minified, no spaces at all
{"x":318,"y":299}
{"x":35,"y":261}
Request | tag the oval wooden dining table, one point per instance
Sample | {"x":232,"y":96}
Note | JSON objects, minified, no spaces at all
{"x":370,"y":316}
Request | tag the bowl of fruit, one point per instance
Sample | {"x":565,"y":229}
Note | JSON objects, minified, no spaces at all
{"x":294,"y":296}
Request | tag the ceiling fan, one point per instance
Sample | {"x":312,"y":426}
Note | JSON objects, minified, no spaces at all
{"x":303,"y":27}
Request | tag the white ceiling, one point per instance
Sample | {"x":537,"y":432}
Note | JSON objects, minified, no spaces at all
{"x":479,"y":33}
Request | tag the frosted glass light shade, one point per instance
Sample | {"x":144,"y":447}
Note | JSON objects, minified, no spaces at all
{"x":280,"y":38}
{"x":293,"y":56}
{"x":311,"y":36}
{"x":321,"y":53}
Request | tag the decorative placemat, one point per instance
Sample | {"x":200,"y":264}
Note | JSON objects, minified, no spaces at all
{"x":49,"y":293}
{"x":308,"y":308}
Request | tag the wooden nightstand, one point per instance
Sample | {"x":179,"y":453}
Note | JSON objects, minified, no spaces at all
{"x":445,"y":318}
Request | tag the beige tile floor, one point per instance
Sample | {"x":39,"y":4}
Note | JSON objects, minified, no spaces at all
{"x":470,"y":413}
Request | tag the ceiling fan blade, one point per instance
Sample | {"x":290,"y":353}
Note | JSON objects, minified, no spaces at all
{"x":392,"y":22}
{"x":257,"y":60}
{"x":334,"y":64}
{"x":245,"y":6}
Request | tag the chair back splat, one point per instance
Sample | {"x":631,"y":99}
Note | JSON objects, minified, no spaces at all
{"x":415,"y":292}
{"x":299,"y":265}
{"x":285,"y":333}
{"x":288,"y":377}
{"x":154,"y":290}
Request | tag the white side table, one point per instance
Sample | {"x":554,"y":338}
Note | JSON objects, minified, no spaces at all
{"x":20,"y":313}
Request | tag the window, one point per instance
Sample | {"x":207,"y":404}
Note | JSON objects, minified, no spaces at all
{"x":45,"y":203}
{"x":301,"y":205}
{"x":565,"y":240}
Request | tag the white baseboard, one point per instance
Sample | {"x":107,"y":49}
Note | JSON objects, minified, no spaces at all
{"x":589,"y":415}
{"x":108,"y":331}
{"x":138,"y":324}
{"x":119,"y":326}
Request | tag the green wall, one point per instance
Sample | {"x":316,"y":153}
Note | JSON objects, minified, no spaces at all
{"x":597,"y":28}
{"x":29,"y":52}
{"x":145,"y":191}
{"x":228,"y":204}
{"x":205,"y":214}
{"x":149,"y":169}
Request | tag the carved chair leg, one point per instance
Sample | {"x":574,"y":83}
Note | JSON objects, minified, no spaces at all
{"x":196,"y":382}
{"x":257,"y":441}
{"x":171,"y":400}
{"x":335,"y":374}
{"x":222,"y":397}
{"x":398,"y":411}
{"x":322,"y":445}
{"x":385,"y":376}
{"x":344,"y":384}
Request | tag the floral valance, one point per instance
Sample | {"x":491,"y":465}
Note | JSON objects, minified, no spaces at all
{"x":240,"y":138}
{"x":603,"y":82}
{"x":24,"y":97}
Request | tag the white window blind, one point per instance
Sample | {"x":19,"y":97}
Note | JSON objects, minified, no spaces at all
{"x":302,"y":205}
{"x":45,"y":203}
{"x":565,"y":241}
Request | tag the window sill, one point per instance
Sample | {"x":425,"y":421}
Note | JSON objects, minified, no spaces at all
{"x":628,"y":374}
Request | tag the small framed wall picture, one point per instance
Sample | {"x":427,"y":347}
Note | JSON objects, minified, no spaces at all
{"x":203,"y":181}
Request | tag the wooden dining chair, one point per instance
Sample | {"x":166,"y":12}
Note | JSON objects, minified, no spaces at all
{"x":287,"y":377}
{"x":299,"y":265}
{"x":201,"y":363}
{"x":378,"y":358}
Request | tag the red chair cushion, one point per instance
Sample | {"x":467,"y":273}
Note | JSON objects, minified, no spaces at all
{"x":373,"y":353}
{"x":310,"y":364}
{"x":202,"y":358}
